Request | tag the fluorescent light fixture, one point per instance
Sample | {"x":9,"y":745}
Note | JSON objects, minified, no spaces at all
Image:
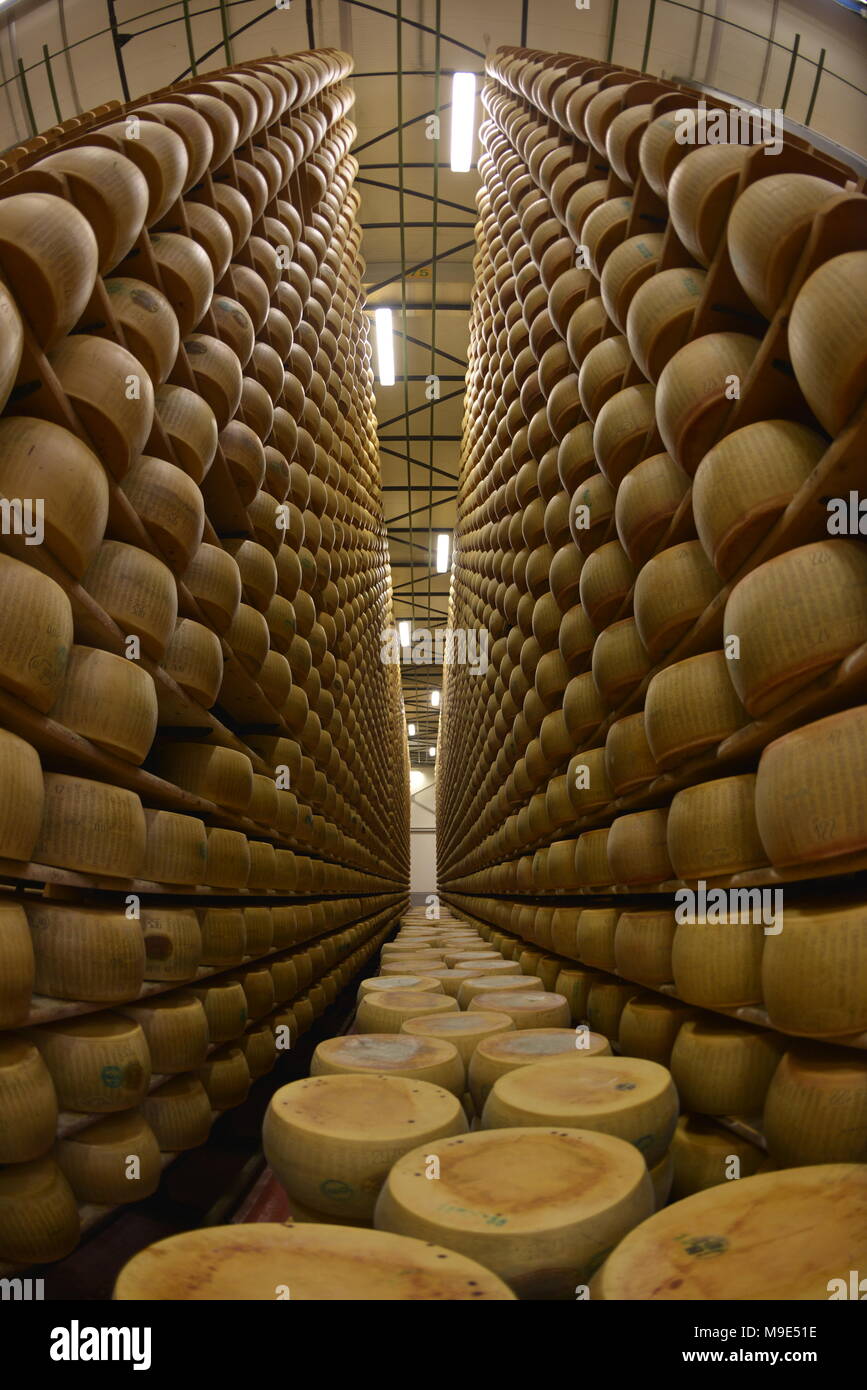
{"x":443,"y":548}
{"x":384,"y":346}
{"x":463,"y":121}
{"x":404,"y":629}
{"x":435,"y":698}
{"x":431,"y":752}
{"x":411,"y":730}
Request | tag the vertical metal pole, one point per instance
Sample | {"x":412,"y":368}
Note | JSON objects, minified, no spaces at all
{"x":402,"y":216}
{"x":311,"y":33}
{"x":26,"y":95}
{"x":697,"y":40}
{"x":611,"y":27}
{"x":815,"y":92}
{"x":792,"y":62}
{"x":51,"y":86}
{"x":188,"y":27}
{"x":224,"y":24}
{"x":648,"y":36}
{"x":433,"y":305}
{"x":768,"y":51}
{"x":118,"y":46}
{"x":525,"y":15}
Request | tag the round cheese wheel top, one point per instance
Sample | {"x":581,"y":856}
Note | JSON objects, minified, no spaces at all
{"x":740,"y":1240}
{"x":314,"y":1262}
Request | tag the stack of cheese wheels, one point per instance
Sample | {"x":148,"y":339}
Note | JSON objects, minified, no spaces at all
{"x":724,"y":1068}
{"x":649,"y":1025}
{"x":332,"y":1139}
{"x":392,"y":1054}
{"x":385,"y":1012}
{"x":218,"y":774}
{"x":816,"y":1106}
{"x":758,"y":1251}
{"x":313,"y":1263}
{"x":504,"y":1052}
{"x":810,"y":980}
{"x":562,"y":1197}
{"x":628,"y":1097}
{"x":702,"y":1154}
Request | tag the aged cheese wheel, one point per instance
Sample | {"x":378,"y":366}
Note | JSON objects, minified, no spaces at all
{"x":224,"y":936}
{"x":193,"y":129}
{"x":470,"y":956}
{"x":695,"y":393}
{"x":802,"y":818}
{"x":172,"y":942}
{"x":618,"y":665}
{"x":449,"y":981}
{"x":647,"y":499}
{"x":28,"y":1105}
{"x":259,"y":930}
{"x":606,"y":579}
{"x":176,"y":848}
{"x":331,"y":1140}
{"x":92,"y":827}
{"x":36,"y":634}
{"x":638,"y":850}
{"x":225,"y":1006}
{"x":258,"y":990}
{"x":17,"y":966}
{"x":109,"y":700}
{"x":316,"y":1262}
{"x":176,"y":1030}
{"x":263,"y":866}
{"x":497,"y":1054}
{"x":225,"y":1077}
{"x":758,"y":1252}
{"x":744,"y":483}
{"x":392,"y":1054}
{"x":601,"y":373}
{"x":672,"y":591}
{"x":22,"y":809}
{"x":218,"y":774}
{"x":111,"y":394}
{"x":214,"y":580}
{"x":40,"y":460}
{"x":106,"y":187}
{"x":464,"y":1030}
{"x":795,"y":616}
{"x":13,"y":342}
{"x":606,"y":1000}
{"x":191,"y":426}
{"x":595,"y":936}
{"x":627,"y":1097}
{"x":811,"y":971}
{"x":179,"y":1113}
{"x":87,"y":953}
{"x":816,"y":1107}
{"x":767,"y":230}
{"x":194,"y":658}
{"x":529,"y":1008}
{"x":378,"y":982}
{"x":483,"y":984}
{"x":218,"y":374}
{"x":723,"y":1068}
{"x":691,"y":706}
{"x":592,"y":865}
{"x":629,"y":763}
{"x":642,"y":945}
{"x":659,"y":316}
{"x":574,"y":983}
{"x":157,"y":151}
{"x":700,"y":195}
{"x":228,"y":863}
{"x":712,"y":829}
{"x":400,"y":967}
{"x":211,"y":230}
{"x":664,"y":143}
{"x":48,"y":258}
{"x":826,"y":339}
{"x":649,"y":1025}
{"x":97,"y":1160}
{"x":247,"y":635}
{"x":38,"y":1214}
{"x":702,"y":1154}
{"x":149,"y":324}
{"x":718,"y":964}
{"x":385,"y":1012}
{"x":170,"y":506}
{"x":259,"y":1049}
{"x":138,"y":591}
{"x":234,"y":326}
{"x":563,"y":1198}
{"x":98,"y":1062}
{"x":629,"y":265}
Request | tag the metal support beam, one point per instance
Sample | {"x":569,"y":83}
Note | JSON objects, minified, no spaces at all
{"x":438,"y":400}
{"x":414,"y":193}
{"x":422,"y":265}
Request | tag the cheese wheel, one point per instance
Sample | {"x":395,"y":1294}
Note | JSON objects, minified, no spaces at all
{"x":385,"y":1012}
{"x":767,"y":230}
{"x":258,"y":990}
{"x":224,"y":936}
{"x":758,"y":1252}
{"x":226,"y":1078}
{"x":629,"y":763}
{"x":574,"y":984}
{"x":149,"y":325}
{"x":425,"y":968}
{"x":638,"y":850}
{"x":627,"y":1097}
{"x":606,"y":579}
{"x":702,"y":1155}
{"x":660,"y":314}
{"x":794,"y":617}
{"x":672,"y":591}
{"x":13,"y":343}
{"x":190,"y":424}
{"x":106,"y":187}
{"x":470,"y":956}
{"x":718,"y":963}
{"x":36,"y":633}
{"x":225,"y":1006}
{"x":99,"y":1062}
{"x":664,"y":143}
{"x":194,"y":658}
{"x":111,"y":394}
{"x":259,"y":930}
{"x":17,"y":965}
{"x":700,"y":195}
{"x":563,"y":1198}
{"x":179,"y":1113}
{"x":435,"y":1060}
{"x":247,"y":635}
{"x":259,"y":1049}
{"x":690,"y":706}
{"x":606,"y":1000}
{"x":647,"y":499}
{"x":626,"y":268}
{"x":449,"y":981}
{"x":218,"y":774}
{"x":109,"y":700}
{"x":157,"y":151}
{"x":376,"y":983}
{"x":28,"y":1105}
{"x":595,"y":936}
{"x":712,"y":829}
{"x":91,"y":827}
{"x":38,"y":1215}
{"x":481,"y":984}
{"x":529,"y":1008}
{"x":496,"y":1055}
{"x":172,"y":942}
{"x":211,"y":230}
{"x":97,"y":1161}
{"x":618,"y":665}
{"x":171,"y":507}
{"x":723,"y":1068}
{"x":816,"y":1107}
{"x":22,"y":810}
{"x":463,"y":1030}
{"x":86,"y":952}
{"x":826,"y":339}
{"x":176,"y":848}
{"x":317,"y":1263}
{"x":642,"y":945}
{"x":48,"y":258}
{"x":138,"y":591}
{"x":331,"y":1140}
{"x":176,"y":1030}
{"x":621,"y":431}
{"x":817,"y":817}
{"x":39,"y":460}
{"x":263,"y":866}
{"x":218,"y":374}
{"x":649,"y":1025}
{"x":228,"y":862}
{"x":745,"y":482}
{"x":601,"y":373}
{"x":214,"y":581}
{"x":185,"y":274}
{"x":695,"y":393}
{"x":811,"y":970}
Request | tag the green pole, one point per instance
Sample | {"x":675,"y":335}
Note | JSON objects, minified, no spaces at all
{"x":224,"y":21}
{"x":26,"y":95}
{"x":189,"y":30}
{"x":649,"y":34}
{"x":819,"y":68}
{"x":51,"y":86}
{"x":793,"y":60}
{"x":611,"y":27}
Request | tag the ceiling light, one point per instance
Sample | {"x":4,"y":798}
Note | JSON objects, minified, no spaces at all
{"x":463,"y":121}
{"x":404,"y":629}
{"x":431,"y":752}
{"x":417,"y":779}
{"x":411,"y":730}
{"x":384,"y":346}
{"x":435,"y":698}
{"x":443,"y":540}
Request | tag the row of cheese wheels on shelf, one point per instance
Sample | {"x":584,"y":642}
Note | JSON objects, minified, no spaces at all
{"x":718,"y":827}
{"x":88,"y":952}
{"x":210,"y":1042}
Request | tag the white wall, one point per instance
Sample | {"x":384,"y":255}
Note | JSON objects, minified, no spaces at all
{"x":423,"y":870}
